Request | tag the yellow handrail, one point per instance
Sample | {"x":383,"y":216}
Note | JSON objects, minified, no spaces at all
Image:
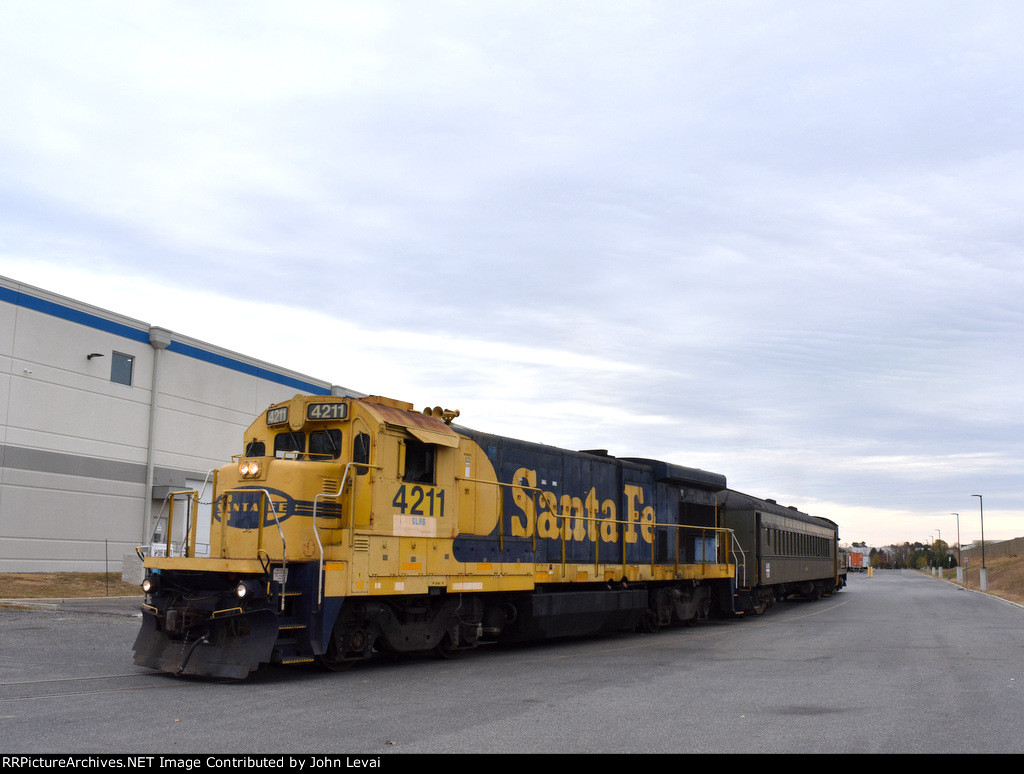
{"x":189,"y":541}
{"x":720,"y":546}
{"x":264,"y":499}
{"x":351,"y":524}
{"x":501,"y":510}
{"x":678,"y":528}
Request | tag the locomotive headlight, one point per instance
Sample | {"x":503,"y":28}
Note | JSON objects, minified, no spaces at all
{"x":245,"y":589}
{"x":249,"y":468}
{"x":151,"y":584}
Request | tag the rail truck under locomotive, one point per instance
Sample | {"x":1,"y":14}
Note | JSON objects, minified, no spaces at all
{"x":349,"y":527}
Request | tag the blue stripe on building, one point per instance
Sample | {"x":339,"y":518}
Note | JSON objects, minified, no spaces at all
{"x":120,"y":329}
{"x":73,"y":315}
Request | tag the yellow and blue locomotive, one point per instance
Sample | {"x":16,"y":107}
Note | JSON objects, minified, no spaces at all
{"x":352,"y":526}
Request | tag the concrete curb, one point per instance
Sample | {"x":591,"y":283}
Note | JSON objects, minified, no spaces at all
{"x":126,"y":606}
{"x":956,"y":585}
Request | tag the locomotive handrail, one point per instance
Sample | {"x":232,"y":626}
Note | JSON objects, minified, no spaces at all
{"x":156,"y":525}
{"x":743,"y":553}
{"x":264,"y":498}
{"x":564,"y":518}
{"x":316,"y":528}
{"x":263,"y":494}
{"x":561,"y":519}
{"x":192,"y":517}
{"x":210,"y":474}
{"x":501,"y":521}
{"x":169,"y":498}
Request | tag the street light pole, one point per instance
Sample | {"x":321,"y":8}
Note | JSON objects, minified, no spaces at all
{"x":984,"y":571}
{"x":938,"y":559}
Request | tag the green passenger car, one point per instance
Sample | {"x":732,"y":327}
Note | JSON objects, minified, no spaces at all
{"x":784,"y":551}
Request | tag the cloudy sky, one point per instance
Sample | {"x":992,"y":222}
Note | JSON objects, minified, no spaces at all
{"x":778,"y":240}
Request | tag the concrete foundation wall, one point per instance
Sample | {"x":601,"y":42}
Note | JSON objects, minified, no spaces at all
{"x":1002,"y":548}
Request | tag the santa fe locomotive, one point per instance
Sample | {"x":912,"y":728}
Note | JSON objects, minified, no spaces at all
{"x":349,"y":527}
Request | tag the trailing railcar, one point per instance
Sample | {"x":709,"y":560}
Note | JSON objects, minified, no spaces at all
{"x":785,"y":551}
{"x":349,"y":527}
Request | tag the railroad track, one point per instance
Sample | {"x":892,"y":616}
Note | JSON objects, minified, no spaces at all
{"x":57,"y":687}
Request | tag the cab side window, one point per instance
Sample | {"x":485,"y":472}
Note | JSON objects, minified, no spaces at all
{"x":419,"y":462}
{"x":361,"y":453}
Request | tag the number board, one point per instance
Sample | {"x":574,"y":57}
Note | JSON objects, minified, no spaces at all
{"x":325,"y":411}
{"x":277,"y":416}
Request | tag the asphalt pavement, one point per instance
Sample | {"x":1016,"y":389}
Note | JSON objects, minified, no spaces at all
{"x":895,"y":663}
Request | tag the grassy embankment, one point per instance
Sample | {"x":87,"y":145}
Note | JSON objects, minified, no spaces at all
{"x":1005,"y":577}
{"x":60,"y":585}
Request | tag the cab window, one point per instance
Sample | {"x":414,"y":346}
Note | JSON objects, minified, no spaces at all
{"x":419,"y":462}
{"x":361,"y":453}
{"x":325,"y":444}
{"x":289,"y":443}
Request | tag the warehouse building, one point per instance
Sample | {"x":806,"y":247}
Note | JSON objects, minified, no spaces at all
{"x":102,"y":418}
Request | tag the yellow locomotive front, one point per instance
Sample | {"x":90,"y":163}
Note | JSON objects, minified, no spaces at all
{"x":299,"y":458}
{"x":283,"y":526}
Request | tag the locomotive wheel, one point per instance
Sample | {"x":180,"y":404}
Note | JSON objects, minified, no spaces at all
{"x":649,"y":623}
{"x":331,"y":661}
{"x":705,"y":609}
{"x":338,"y":665}
{"x":345,"y":640}
{"x":658,"y":614}
{"x":446,"y":650}
{"x":763,"y":602}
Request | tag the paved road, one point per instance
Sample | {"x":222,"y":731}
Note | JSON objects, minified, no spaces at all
{"x":895,"y":663}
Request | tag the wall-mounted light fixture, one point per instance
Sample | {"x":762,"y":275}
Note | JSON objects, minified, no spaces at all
{"x":93,"y":354}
